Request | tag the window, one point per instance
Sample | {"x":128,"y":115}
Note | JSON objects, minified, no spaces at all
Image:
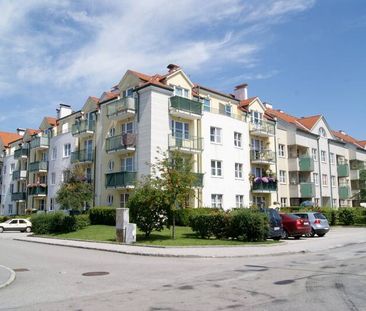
{"x":238,"y":170}
{"x":127,"y":164}
{"x":332,"y":158}
{"x":322,"y":132}
{"x":239,"y":200}
{"x":228,"y":110}
{"x":180,"y":129}
{"x":206,"y":104}
{"x":11,"y":188}
{"x":314,"y":152}
{"x":12,"y":168}
{"x":66,"y":176}
{"x":67,"y":150}
{"x":316,"y":202}
{"x":111,"y":165}
{"x":282,"y":177}
{"x":316,"y":178}
{"x":53,"y":178}
{"x":112,"y":132}
{"x":65,"y":128}
{"x":281,"y":150}
{"x":216,"y":200}
{"x":323,"y":156}
{"x":110,"y":200}
{"x":180,"y":91}
{"x":283,"y":202}
{"x":333,"y":181}
{"x":325,"y":180}
{"x":215,"y":135}
{"x":256,"y":117}
{"x":127,"y":128}
{"x":123,"y":199}
{"x":257,"y":144}
{"x":42,"y":205}
{"x":259,"y":201}
{"x":216,"y":168}
{"x":237,"y":139}
{"x":128,"y":92}
{"x":54,"y":153}
{"x":52,"y":204}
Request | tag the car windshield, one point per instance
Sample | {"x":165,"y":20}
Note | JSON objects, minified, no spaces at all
{"x":274,"y":214}
{"x":305,"y":216}
{"x":293,"y":216}
{"x":319,"y":216}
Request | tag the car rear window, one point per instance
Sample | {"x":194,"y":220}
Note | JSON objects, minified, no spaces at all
{"x":21,"y":221}
{"x":306,"y":216}
{"x":319,"y":216}
{"x":292,"y":216}
{"x":274,"y":214}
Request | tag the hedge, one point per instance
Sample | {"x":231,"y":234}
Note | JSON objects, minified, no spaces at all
{"x":182,"y":216}
{"x":102,"y":215}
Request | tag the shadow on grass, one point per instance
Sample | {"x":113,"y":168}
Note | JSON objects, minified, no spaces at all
{"x":152,"y":237}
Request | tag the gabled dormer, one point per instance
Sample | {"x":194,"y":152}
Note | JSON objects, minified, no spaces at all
{"x":317,"y":125}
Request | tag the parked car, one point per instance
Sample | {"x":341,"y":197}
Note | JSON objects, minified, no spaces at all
{"x":319,"y":223}
{"x":275,"y":223}
{"x":294,"y":226}
{"x":23,"y":225}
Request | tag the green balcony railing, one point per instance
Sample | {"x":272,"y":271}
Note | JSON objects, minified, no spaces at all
{"x":362,"y":174}
{"x":83,"y":126}
{"x":120,"y":179}
{"x":18,"y":196}
{"x":120,"y":142}
{"x":37,"y":190}
{"x":40,"y":142}
{"x":186,"y":105}
{"x":82,"y":156}
{"x":19,"y":174}
{"x":307,"y":189}
{"x":306,"y":163}
{"x":121,"y":107}
{"x":20,"y":152}
{"x":265,"y":187}
{"x":344,"y":192}
{"x":198,"y":180}
{"x":37,"y":166}
{"x":343,"y":170}
{"x":263,"y":155}
{"x":263,"y":127}
{"x":191,"y":143}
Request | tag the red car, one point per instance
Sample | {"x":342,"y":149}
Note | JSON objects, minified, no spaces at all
{"x":294,"y":226}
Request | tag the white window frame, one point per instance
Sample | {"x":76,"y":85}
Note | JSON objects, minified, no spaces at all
{"x":123,"y":199}
{"x":216,"y":168}
{"x":206,"y":103}
{"x":282,"y":175}
{"x":127,"y":164}
{"x":239,"y":200}
{"x":110,"y":199}
{"x":67,"y":150}
{"x":216,"y":200}
{"x":238,"y":170}
{"x":324,"y":180}
{"x":53,"y":178}
{"x":181,"y":91}
{"x":237,"y":139}
{"x":215,"y":135}
{"x":323,"y":156}
{"x":228,"y":110}
{"x":281,"y":150}
{"x":127,"y":128}
{"x":283,"y":202}
{"x":314,"y":153}
{"x":333,"y":181}
{"x":54,"y":153}
{"x":332,"y":158}
{"x":316,"y":178}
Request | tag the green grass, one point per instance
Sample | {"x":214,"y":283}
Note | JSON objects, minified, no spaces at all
{"x":184,"y":237}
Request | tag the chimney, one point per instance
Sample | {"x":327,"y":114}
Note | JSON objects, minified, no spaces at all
{"x":241,"y":91}
{"x":172,"y":68}
{"x":20,"y":131}
{"x":268,"y":105}
{"x":63,"y":111}
{"x":342,"y":132}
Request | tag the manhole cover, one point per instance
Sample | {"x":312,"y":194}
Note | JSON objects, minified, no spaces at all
{"x":20,"y":270}
{"x":96,"y":273}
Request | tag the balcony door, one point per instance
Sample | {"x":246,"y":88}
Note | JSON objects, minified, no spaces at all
{"x":88,"y":147}
{"x":180,"y":131}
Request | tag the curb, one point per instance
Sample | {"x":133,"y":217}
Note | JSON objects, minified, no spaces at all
{"x":11,"y":278}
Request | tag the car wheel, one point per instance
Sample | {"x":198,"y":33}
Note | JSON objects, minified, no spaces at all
{"x":297,"y":237}
{"x":277,"y":238}
{"x":321,"y":235}
{"x":285,"y":235}
{"x":28,"y":229}
{"x":1,"y":229}
{"x":312,"y":234}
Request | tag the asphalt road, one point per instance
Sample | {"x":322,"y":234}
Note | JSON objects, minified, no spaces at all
{"x":51,"y":278}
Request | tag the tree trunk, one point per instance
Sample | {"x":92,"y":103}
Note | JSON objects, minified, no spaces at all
{"x":173,"y":227}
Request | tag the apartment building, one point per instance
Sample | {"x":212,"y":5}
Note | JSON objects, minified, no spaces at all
{"x":244,"y":151}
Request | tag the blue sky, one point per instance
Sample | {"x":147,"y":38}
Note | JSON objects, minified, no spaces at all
{"x":304,"y":56}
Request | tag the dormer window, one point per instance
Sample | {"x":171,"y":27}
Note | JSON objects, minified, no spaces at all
{"x":322,"y":132}
{"x":128,"y":92}
{"x":228,"y":110}
{"x":180,"y":91}
{"x":256,"y":117}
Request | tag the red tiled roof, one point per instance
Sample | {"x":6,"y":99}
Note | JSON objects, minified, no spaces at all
{"x":362,"y":143}
{"x":7,"y":137}
{"x":346,"y":138}
{"x":51,"y":121}
{"x":95,"y":99}
{"x":246,"y":102}
{"x":309,"y":122}
{"x":197,"y":86}
{"x":285,"y":117}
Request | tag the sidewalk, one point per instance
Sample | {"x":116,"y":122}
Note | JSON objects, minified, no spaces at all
{"x":337,"y":237}
{"x":7,"y":276}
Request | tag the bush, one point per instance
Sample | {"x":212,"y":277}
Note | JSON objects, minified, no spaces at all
{"x":57,"y":222}
{"x":82,"y":221}
{"x":207,"y":225}
{"x":347,"y":216}
{"x":102,"y":215}
{"x":360,"y":217}
{"x":330,"y":213}
{"x":4,"y":218}
{"x":182,"y":216}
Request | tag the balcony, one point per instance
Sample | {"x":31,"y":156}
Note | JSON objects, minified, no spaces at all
{"x":18,"y":196}
{"x":21,"y":153}
{"x":307,"y":189}
{"x":123,"y":143}
{"x":343,"y":170}
{"x":344,"y":192}
{"x":40,"y":166}
{"x":121,"y":109}
{"x":82,"y":156}
{"x":37,"y":191}
{"x":362,"y":174}
{"x":39,"y":142}
{"x":185,"y":108}
{"x":263,"y":129}
{"x":17,"y":175}
{"x":264,"y":185}
{"x":120,"y":180}
{"x":198,"y":180}
{"x":358,"y":184}
{"x":190,"y":144}
{"x":262,"y":156}
{"x":83,"y":128}
{"x":306,"y":163}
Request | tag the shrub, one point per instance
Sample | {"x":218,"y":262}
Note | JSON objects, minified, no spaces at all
{"x":4,"y":218}
{"x":347,"y":216}
{"x":182,"y":216}
{"x":102,"y":215}
{"x":82,"y":221}
{"x":211,"y":224}
{"x":56,"y":222}
{"x":330,"y":213}
{"x":360,"y":217}
{"x":41,"y":223}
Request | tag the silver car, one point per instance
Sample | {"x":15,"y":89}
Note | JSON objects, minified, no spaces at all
{"x":319,"y":223}
{"x":23,"y":225}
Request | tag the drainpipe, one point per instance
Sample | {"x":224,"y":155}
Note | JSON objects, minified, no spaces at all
{"x":276,"y":164}
{"x":330,"y":172}
{"x":320,"y":174}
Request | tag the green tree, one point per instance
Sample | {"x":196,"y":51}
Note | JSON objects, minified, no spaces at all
{"x":75,"y":191}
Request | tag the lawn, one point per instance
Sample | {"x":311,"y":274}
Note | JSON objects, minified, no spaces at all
{"x":184,"y":237}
